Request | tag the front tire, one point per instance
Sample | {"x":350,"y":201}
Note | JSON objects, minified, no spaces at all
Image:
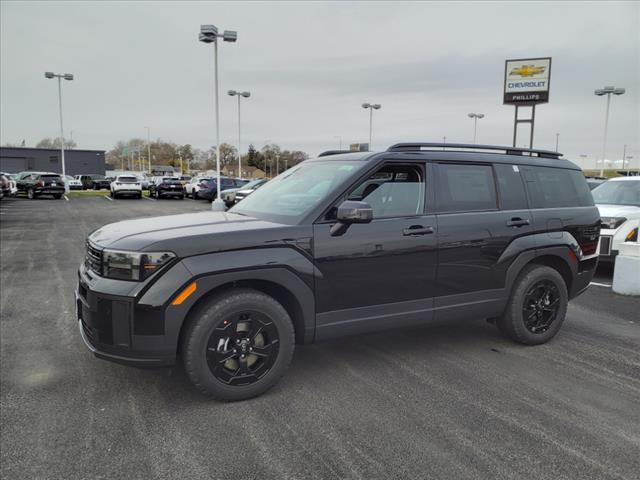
{"x":537,"y":306}
{"x":31,"y":194}
{"x":238,"y":345}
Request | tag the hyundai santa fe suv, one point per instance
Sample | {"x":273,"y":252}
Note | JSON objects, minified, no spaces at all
{"x":342,"y":245}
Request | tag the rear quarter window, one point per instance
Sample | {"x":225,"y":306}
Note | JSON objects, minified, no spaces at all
{"x":550,"y":187}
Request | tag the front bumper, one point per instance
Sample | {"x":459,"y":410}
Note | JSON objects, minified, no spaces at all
{"x":117,"y":328}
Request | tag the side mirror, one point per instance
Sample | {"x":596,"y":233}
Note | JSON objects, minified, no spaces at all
{"x":351,"y":212}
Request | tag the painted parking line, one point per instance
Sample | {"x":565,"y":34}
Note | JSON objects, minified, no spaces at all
{"x":600,"y":284}
{"x":149,"y":198}
{"x":66,"y":198}
{"x":108,"y":198}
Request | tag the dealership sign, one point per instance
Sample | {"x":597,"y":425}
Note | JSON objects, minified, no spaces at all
{"x":526,"y":81}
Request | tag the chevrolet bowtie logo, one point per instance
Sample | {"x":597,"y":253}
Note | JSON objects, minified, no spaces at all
{"x":527,"y":70}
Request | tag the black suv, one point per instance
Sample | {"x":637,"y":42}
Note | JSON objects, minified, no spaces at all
{"x":343,"y":244}
{"x":35,"y":184}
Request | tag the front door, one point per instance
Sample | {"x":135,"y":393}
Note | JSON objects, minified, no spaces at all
{"x":381,"y":274}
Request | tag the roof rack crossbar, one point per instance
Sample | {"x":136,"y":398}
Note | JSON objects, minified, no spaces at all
{"x":416,"y":147}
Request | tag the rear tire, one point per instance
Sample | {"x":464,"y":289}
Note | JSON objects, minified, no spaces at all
{"x":195,"y":195}
{"x":222,"y":329}
{"x":537,"y":306}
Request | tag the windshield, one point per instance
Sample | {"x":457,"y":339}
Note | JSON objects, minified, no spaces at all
{"x":294,"y":193}
{"x":624,"y":192}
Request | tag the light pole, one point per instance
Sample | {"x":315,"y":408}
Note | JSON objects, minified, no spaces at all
{"x":371,"y":107}
{"x":557,"y":140}
{"x":339,"y":137}
{"x":209,"y":34}
{"x":444,"y":142}
{"x":239,"y":94}
{"x":600,"y":92}
{"x":475,"y":117}
{"x":66,"y":76}
{"x":583,"y":156}
{"x":149,"y":148}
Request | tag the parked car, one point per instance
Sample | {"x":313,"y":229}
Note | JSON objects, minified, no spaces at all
{"x":210,"y":192}
{"x":94,"y":181}
{"x":184,"y":179}
{"x":196,"y":184}
{"x":593,"y":182}
{"x":126,"y":185}
{"x":500,"y":233}
{"x":248,"y":189}
{"x":618,"y":200}
{"x":5,"y":187}
{"x":232,"y":196}
{"x":35,"y":184}
{"x":13,"y":186}
{"x":161,"y":187}
{"x":74,"y":183}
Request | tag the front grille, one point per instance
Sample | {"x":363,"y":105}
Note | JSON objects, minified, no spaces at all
{"x":93,"y":259}
{"x":605,"y":245}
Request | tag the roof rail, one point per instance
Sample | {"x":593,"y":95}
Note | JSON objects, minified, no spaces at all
{"x":333,"y":152}
{"x":417,"y":147}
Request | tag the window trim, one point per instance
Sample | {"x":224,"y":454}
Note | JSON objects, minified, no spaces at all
{"x":426,"y":205}
{"x":438,"y":187}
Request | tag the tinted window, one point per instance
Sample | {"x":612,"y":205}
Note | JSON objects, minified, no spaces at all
{"x":465,"y":188}
{"x":510,"y":187}
{"x":393,"y":191}
{"x":556,"y":187}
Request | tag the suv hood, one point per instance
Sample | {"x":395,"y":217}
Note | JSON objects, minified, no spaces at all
{"x":196,"y":233}
{"x":627,"y":211}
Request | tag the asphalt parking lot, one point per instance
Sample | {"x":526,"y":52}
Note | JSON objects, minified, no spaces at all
{"x":451,"y":401}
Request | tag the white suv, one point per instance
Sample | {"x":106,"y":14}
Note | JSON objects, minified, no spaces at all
{"x":192,"y":188}
{"x":126,"y":185}
{"x":618,"y":200}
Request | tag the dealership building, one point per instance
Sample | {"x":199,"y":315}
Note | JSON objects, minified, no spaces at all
{"x":77,"y":162}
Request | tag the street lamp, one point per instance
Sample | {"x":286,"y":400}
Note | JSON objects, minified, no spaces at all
{"x":66,"y":76}
{"x":239,"y":94}
{"x":209,"y":34}
{"x":475,"y":117}
{"x":557,"y":140}
{"x":371,"y":107}
{"x":600,"y":92}
{"x":339,"y":137}
{"x":149,"y":147}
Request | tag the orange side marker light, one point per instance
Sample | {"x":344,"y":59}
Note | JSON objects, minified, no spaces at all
{"x":186,"y":293}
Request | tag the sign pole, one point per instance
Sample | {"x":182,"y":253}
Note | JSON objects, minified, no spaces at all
{"x":533,"y":121}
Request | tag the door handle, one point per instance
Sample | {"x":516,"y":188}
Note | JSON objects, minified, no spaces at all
{"x":417,"y":230}
{"x":517,"y":222}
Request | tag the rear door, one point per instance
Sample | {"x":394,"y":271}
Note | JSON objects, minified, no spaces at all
{"x":481,"y":210}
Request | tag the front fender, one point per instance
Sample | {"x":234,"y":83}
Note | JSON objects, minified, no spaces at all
{"x":284,"y":267}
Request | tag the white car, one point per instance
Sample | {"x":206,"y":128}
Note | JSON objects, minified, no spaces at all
{"x":129,"y":185}
{"x":618,"y":200}
{"x":192,"y":188}
{"x":74,"y":183}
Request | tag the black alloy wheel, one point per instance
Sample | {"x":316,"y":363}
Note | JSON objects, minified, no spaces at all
{"x":537,"y":306}
{"x":540,"y":307}
{"x":243,"y":348}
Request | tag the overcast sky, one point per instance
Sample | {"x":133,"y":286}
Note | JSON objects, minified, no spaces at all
{"x":309,"y":66}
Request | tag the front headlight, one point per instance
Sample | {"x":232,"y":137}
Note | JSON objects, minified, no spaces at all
{"x":612,"y":222}
{"x":135,"y":266}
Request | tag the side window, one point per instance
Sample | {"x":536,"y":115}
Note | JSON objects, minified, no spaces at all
{"x":465,"y":188}
{"x":550,"y":187}
{"x":393,"y":191}
{"x":510,"y":187}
